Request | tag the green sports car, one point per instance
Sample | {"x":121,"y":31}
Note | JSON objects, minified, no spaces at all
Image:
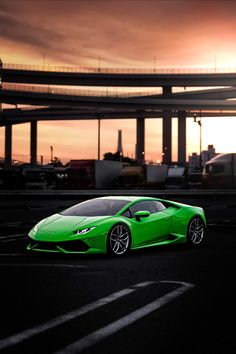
{"x":116,"y":225}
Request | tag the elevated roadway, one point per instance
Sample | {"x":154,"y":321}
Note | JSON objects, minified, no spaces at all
{"x":17,"y":116}
{"x":88,"y":102}
{"x":114,"y":77}
{"x":81,"y":106}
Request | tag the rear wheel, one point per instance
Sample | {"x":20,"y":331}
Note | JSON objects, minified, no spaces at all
{"x":118,"y":242}
{"x":196,"y":231}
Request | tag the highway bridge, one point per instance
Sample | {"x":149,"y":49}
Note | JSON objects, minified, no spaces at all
{"x":116,"y":77}
{"x":203,"y":93}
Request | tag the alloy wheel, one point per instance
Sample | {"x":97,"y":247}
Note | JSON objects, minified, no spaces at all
{"x":196,"y":231}
{"x":119,"y":240}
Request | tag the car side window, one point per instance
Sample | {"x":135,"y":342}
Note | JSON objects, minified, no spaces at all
{"x":148,"y":205}
{"x":127,"y":214}
{"x":159,"y":205}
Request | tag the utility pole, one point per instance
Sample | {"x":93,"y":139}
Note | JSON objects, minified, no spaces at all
{"x":99,"y":63}
{"x":51,"y":148}
{"x":99,"y":137}
{"x":199,"y":122}
{"x":200,"y":125}
{"x":44,"y":55}
{"x":1,"y":65}
{"x":154,"y":63}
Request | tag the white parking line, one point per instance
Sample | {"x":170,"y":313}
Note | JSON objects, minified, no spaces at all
{"x":11,"y":236}
{"x":11,"y":254}
{"x":13,"y":240}
{"x":42,"y":265}
{"x":12,"y":224}
{"x":123,"y":322}
{"x":19,"y":337}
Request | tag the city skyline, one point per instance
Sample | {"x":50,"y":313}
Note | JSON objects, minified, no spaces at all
{"x":148,"y":34}
{"x":21,"y":139}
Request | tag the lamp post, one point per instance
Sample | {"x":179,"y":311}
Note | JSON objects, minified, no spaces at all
{"x":1,"y":65}
{"x":99,"y":63}
{"x":99,"y":137}
{"x":154,"y":63}
{"x":199,"y":122}
{"x":44,"y":55}
{"x":51,"y":148}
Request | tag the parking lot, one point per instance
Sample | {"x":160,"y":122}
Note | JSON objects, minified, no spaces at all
{"x":156,"y":301}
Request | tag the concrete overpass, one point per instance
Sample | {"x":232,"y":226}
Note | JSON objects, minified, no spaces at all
{"x":87,"y":102}
{"x":8,"y":117}
{"x":23,"y":115}
{"x":50,"y":75}
{"x":78,"y":105}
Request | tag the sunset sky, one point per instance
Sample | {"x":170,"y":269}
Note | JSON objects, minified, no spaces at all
{"x":132,"y":34}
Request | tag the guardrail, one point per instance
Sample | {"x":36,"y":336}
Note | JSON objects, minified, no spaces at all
{"x":86,"y":93}
{"x":96,"y":193}
{"x":106,"y":92}
{"x":103,"y":70}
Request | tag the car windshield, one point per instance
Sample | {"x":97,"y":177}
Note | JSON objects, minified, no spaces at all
{"x":96,"y":207}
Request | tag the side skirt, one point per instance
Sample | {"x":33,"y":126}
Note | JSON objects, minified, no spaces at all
{"x":172,"y":238}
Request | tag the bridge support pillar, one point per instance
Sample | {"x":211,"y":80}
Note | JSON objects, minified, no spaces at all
{"x":166,"y":137}
{"x":140,"y":139}
{"x":8,"y":145}
{"x":182,"y":137}
{"x":33,"y":142}
{"x":167,"y":129}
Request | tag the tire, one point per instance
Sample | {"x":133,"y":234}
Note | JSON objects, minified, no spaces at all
{"x":119,"y":240}
{"x":196,"y":232}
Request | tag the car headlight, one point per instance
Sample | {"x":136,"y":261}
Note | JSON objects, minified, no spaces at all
{"x":35,"y":228}
{"x":84,"y":231}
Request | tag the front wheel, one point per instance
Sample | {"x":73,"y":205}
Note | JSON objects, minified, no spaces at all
{"x":196,"y":231}
{"x":118,"y":242}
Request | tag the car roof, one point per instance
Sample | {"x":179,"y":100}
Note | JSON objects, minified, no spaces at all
{"x":128,"y":198}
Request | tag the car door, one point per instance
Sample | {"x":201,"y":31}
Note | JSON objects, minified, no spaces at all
{"x":151,"y":229}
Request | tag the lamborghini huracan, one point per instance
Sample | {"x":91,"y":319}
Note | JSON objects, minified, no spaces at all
{"x":117,"y":225}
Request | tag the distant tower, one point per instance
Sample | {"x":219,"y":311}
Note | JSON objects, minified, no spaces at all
{"x":119,"y":146}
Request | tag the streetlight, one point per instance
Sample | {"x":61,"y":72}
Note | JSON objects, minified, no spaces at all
{"x":1,"y":66}
{"x":99,"y":136}
{"x":199,"y":122}
{"x":51,"y":148}
{"x":99,"y":63}
{"x":154,"y":63}
{"x":44,"y":55}
{"x":215,"y":63}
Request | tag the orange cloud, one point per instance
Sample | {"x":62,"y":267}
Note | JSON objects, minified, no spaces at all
{"x":125,"y":34}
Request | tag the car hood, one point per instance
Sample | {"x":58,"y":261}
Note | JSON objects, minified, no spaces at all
{"x":59,"y":226}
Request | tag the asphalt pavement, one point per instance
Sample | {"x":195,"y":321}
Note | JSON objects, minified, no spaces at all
{"x":160,"y":300}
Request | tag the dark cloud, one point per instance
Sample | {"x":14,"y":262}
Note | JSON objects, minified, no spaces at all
{"x":118,"y":31}
{"x":17,"y":30}
{"x":122,"y":33}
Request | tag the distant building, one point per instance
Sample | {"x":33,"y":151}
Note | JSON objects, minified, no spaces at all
{"x":193,"y":162}
{"x":206,"y":155}
{"x":119,"y":145}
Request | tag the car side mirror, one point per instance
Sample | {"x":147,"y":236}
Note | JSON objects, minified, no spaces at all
{"x":141,"y":214}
